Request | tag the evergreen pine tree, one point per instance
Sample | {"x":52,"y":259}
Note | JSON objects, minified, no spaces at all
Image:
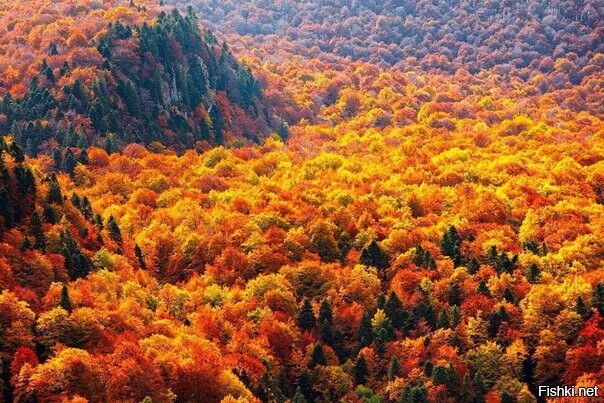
{"x":418,"y":394}
{"x":360,"y":370}
{"x":483,"y":289}
{"x":305,"y":385}
{"x":455,"y":296}
{"x":49,"y":214}
{"x":78,"y":265}
{"x":325,"y":312}
{"x":395,"y":311}
{"x":75,"y":200}
{"x":327,"y":332}
{"x":65,"y":301}
{"x":479,"y":387}
{"x":306,"y":317}
{"x":473,"y":266}
{"x":428,"y":367}
{"x":35,"y":225}
{"x":454,"y":316}
{"x":374,"y":256}
{"x":380,"y":341}
{"x":86,"y":208}
{"x":451,"y":246}
{"x":395,"y":369}
{"x":114,"y":230}
{"x":381,"y":301}
{"x":443,"y":320}
{"x":582,"y":309}
{"x":299,"y":397}
{"x":440,"y":375}
{"x":7,"y":212}
{"x":139,"y":256}
{"x":508,"y":296}
{"x":268,"y":390}
{"x":318,"y":355}
{"x":52,"y":50}
{"x":57,"y":157}
{"x":325,"y":321}
{"x":54,"y":191}
{"x":64,"y":69}
{"x":69,"y":163}
{"x":365,"y":330}
{"x":17,"y":153}
{"x":598,"y":298}
{"x":534,"y":274}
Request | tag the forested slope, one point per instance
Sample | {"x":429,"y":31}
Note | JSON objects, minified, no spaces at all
{"x":122,"y":75}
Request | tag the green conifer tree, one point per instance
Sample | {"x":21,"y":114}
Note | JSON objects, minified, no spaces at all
{"x":360,"y":370}
{"x":306,"y":317}
{"x":65,"y":301}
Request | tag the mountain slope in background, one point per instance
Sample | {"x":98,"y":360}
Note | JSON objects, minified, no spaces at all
{"x":159,"y":81}
{"x":432,"y":34}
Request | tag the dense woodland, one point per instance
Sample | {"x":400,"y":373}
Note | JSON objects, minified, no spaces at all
{"x":162,"y":82}
{"x":372,"y":228}
{"x":442,"y":35}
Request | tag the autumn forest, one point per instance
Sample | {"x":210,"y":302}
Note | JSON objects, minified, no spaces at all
{"x":313,"y":201}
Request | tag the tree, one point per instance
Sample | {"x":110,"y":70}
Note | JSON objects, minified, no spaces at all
{"x":69,"y":163}
{"x":65,"y":302}
{"x":360,"y":370}
{"x":417,"y":394}
{"x":582,"y":309}
{"x":268,"y":390}
{"x":443,"y":320}
{"x":37,"y":232}
{"x":488,"y":360}
{"x":455,"y":297}
{"x":440,"y":375}
{"x":483,"y":289}
{"x":305,"y":385}
{"x":17,"y":153}
{"x":7,"y":211}
{"x":395,"y":369}
{"x":325,"y":312}
{"x":299,"y":397}
{"x":598,"y":298}
{"x":325,"y":322}
{"x":450,"y":246}
{"x":380,"y":341}
{"x":324,"y":242}
{"x":114,"y":230}
{"x":49,"y":214}
{"x":78,"y":265}
{"x":473,"y":266}
{"x":57,"y":157}
{"x":306,"y":317}
{"x":54,"y":191}
{"x":533,"y":275}
{"x":140,"y":257}
{"x":374,"y":256}
{"x":509,"y":297}
{"x":318,"y":355}
{"x":395,"y":311}
{"x":365,"y":330}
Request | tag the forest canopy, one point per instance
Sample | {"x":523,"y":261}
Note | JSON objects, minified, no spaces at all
{"x":300,"y":201}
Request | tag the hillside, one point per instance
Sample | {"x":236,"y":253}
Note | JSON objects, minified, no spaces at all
{"x":440,"y":35}
{"x":126,"y":79}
